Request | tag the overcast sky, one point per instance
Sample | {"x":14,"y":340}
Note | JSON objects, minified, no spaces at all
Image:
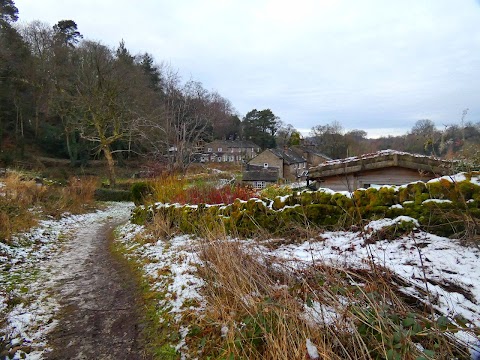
{"x":376,"y":65}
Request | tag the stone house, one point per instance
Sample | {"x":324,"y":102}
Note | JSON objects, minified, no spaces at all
{"x":291,"y":166}
{"x":228,"y":151}
{"x":386,"y":167}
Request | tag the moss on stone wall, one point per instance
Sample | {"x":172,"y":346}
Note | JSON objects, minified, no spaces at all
{"x":455,"y":204}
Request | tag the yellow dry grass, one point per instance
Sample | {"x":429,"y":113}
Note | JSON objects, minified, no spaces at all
{"x":23,"y":201}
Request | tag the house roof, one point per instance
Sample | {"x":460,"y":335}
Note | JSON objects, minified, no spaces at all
{"x":232,"y":144}
{"x":289,"y":156}
{"x":260,"y":175}
{"x":311,"y":150}
{"x":378,"y":160}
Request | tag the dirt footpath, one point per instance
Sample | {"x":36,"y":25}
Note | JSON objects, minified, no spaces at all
{"x":98,"y":317}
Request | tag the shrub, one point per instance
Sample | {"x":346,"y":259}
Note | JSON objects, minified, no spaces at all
{"x":104,"y":194}
{"x":140,"y":191}
{"x":272,"y":191}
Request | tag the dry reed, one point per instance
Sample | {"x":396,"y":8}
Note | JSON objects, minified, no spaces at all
{"x":23,"y":202}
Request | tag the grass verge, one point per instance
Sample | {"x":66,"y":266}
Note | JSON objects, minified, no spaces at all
{"x":158,"y":334}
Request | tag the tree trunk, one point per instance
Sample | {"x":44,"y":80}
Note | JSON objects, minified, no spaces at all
{"x":72,"y":147}
{"x":37,"y":121}
{"x":110,"y":164}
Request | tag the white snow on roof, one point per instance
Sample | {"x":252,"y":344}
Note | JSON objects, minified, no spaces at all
{"x":373,"y":155}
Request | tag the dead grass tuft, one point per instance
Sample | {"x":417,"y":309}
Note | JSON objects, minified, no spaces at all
{"x":161,"y":227}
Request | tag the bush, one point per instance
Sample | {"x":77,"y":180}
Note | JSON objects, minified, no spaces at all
{"x":140,"y":191}
{"x":208,"y":194}
{"x":272,"y":191}
{"x":104,"y":194}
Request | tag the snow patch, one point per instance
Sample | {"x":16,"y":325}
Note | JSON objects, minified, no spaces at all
{"x":316,"y":314}
{"x":451,"y":178}
{"x":380,"y":224}
{"x":312,"y":350}
{"x":438,"y":201}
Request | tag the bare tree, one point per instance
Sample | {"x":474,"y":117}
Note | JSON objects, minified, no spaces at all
{"x":330,"y":139}
{"x":110,"y":96}
{"x":182,"y":120}
{"x":40,"y":38}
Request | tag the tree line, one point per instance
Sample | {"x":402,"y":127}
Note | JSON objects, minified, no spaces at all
{"x":76,"y":98}
{"x":455,"y":141}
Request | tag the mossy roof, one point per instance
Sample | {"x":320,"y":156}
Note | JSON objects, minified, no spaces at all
{"x":270,"y":175}
{"x":379,"y":160}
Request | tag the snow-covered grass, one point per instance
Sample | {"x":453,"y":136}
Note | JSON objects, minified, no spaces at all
{"x":337,"y":287}
{"x":170,"y":265}
{"x":224,"y":297}
{"x":23,"y":202}
{"x":426,"y":262}
{"x":31,"y":266}
{"x":386,"y":286}
{"x":333,"y":295}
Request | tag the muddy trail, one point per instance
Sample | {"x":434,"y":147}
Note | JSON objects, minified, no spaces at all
{"x":98,"y":317}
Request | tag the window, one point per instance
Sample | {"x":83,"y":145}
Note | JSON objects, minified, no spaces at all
{"x":231,"y":158}
{"x":304,"y":165}
{"x":219,"y":149}
{"x":259,"y":184}
{"x":265,"y":165}
{"x":219,"y":159}
{"x":209,"y":150}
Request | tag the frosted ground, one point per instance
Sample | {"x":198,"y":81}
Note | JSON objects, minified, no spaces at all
{"x":34,"y":262}
{"x":445,"y":263}
{"x":32,"y":265}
